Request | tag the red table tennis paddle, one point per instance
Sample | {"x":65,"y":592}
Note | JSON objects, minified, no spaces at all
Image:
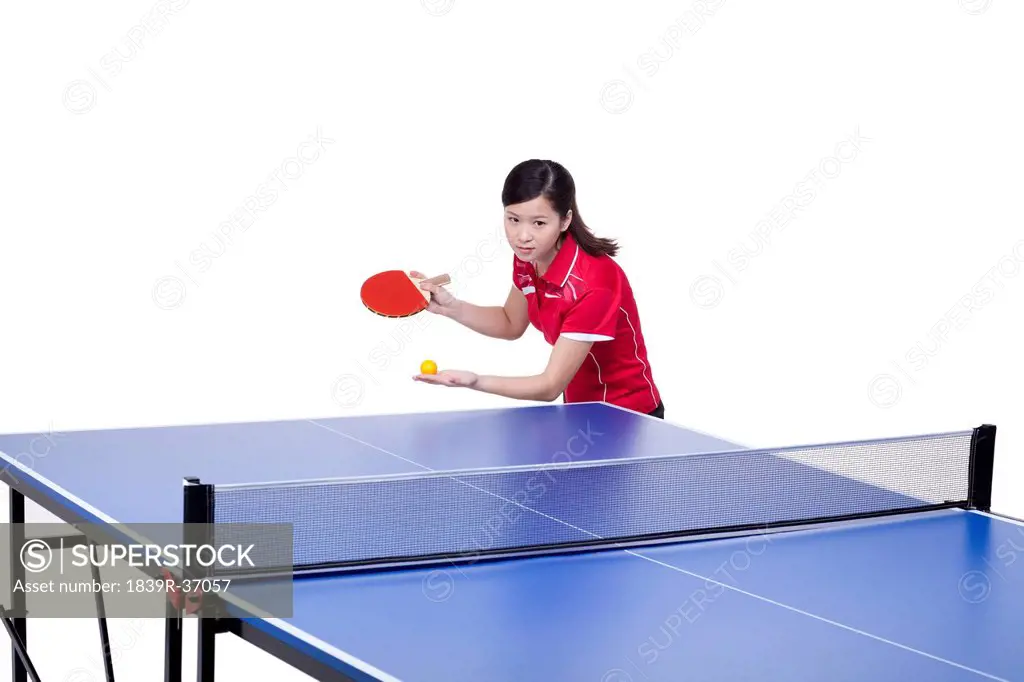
{"x":394,"y":293}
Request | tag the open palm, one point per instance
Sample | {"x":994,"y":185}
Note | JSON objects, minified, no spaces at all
{"x":449,"y":377}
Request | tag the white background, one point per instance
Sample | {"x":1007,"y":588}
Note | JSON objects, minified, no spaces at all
{"x":889,"y":303}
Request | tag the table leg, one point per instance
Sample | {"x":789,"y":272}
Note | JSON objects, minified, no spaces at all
{"x":207,"y":640}
{"x":101,"y":616}
{"x":172,"y":644}
{"x":19,"y":672}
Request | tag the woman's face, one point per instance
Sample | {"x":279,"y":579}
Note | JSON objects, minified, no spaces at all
{"x":533,"y":228}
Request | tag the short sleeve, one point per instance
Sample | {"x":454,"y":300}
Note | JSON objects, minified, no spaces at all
{"x":592,"y":317}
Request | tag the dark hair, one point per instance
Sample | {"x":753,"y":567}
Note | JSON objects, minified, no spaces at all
{"x":540,"y":177}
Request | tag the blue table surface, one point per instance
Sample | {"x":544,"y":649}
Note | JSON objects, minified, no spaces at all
{"x":937,"y":596}
{"x":135,"y":475}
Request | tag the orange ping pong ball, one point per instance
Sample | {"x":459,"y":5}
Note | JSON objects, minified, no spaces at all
{"x":428,"y":367}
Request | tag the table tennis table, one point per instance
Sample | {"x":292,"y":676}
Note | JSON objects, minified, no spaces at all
{"x":579,"y":543}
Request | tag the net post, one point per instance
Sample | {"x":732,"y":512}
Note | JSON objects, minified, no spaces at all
{"x":199,"y":519}
{"x":982,"y":463}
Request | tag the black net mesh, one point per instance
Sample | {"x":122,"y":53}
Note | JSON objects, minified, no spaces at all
{"x":400,"y":518}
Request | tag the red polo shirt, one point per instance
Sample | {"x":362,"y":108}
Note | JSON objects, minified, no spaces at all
{"x":588,"y":298}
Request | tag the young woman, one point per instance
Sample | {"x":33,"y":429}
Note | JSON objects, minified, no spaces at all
{"x":566,"y":284}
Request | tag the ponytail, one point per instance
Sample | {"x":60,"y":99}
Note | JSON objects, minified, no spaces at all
{"x":588,"y":241}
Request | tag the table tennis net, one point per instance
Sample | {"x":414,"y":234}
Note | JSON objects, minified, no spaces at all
{"x":468,"y":514}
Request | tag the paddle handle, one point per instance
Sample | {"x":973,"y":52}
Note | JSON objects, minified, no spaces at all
{"x":440,"y":280}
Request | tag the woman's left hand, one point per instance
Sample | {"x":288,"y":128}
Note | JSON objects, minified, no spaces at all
{"x":449,"y":377}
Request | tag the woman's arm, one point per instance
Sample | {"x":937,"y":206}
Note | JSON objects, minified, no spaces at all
{"x":566,"y":358}
{"x":500,"y":322}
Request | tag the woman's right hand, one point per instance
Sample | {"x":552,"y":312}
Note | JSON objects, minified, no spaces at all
{"x":441,"y":301}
